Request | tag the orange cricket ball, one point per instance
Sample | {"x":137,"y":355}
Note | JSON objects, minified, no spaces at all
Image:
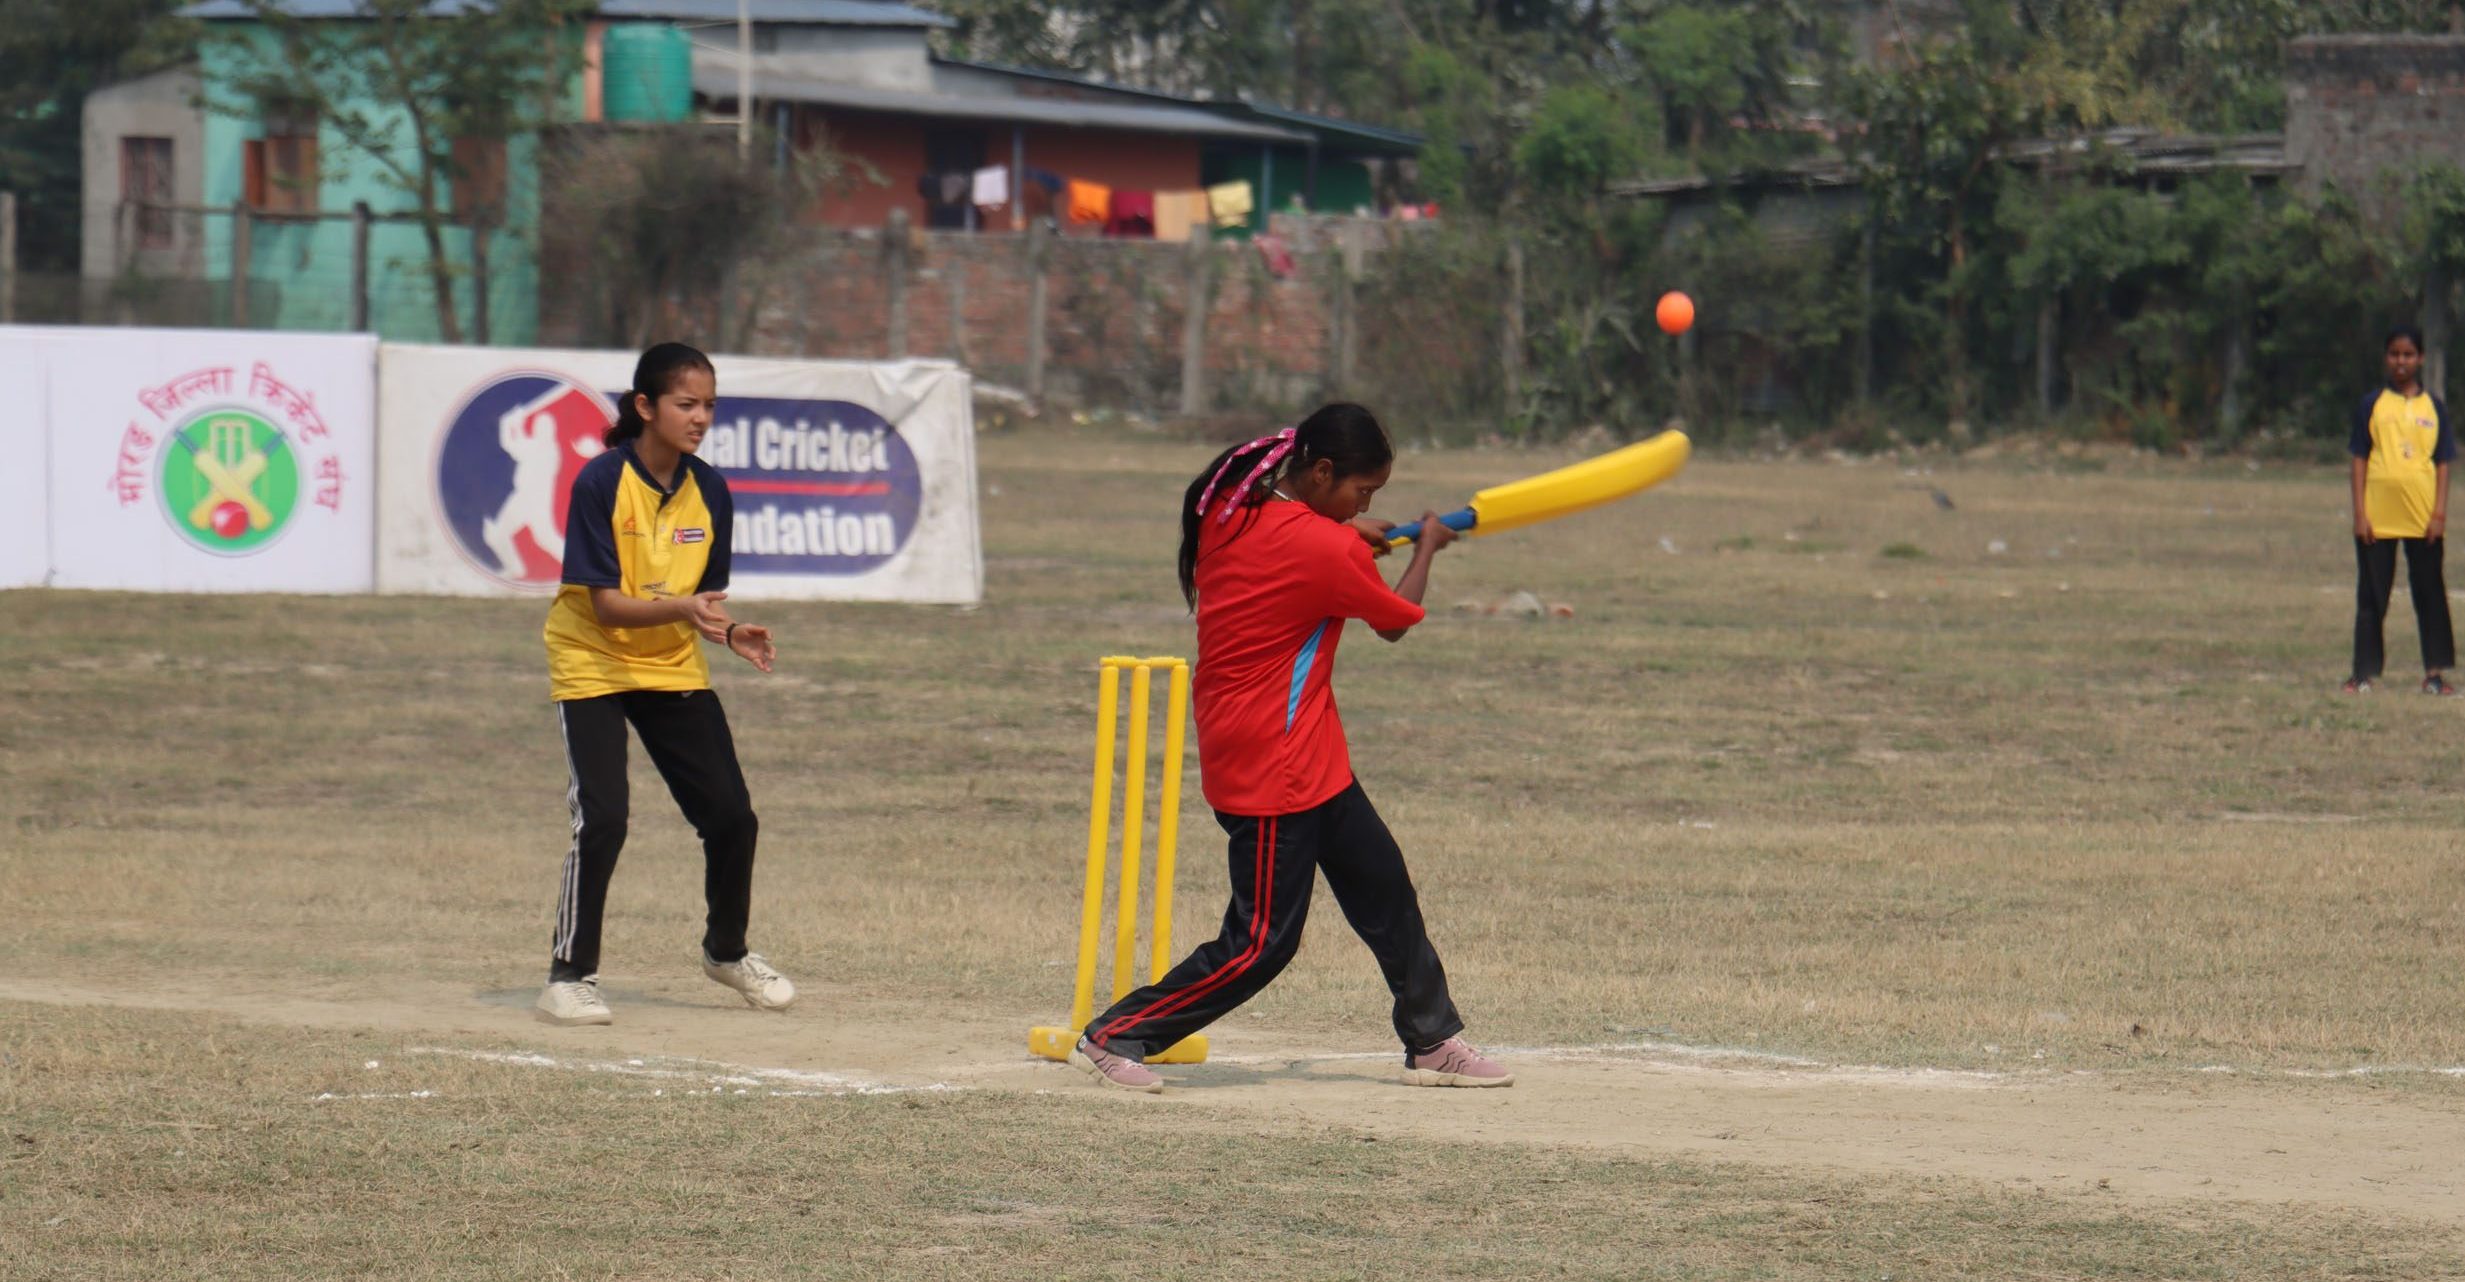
{"x":1676,"y":313}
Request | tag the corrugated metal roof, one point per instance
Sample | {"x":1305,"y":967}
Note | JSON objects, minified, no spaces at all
{"x":720,"y":82}
{"x":825,"y":13}
{"x":822,"y":13}
{"x":1377,"y":139}
{"x":1364,"y":137}
{"x":315,"y":8}
{"x":2142,"y":151}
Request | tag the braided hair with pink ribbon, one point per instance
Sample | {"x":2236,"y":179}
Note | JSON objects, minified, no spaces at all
{"x":1280,"y":444}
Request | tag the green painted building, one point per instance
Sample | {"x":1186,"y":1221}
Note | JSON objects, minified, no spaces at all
{"x":299,"y":179}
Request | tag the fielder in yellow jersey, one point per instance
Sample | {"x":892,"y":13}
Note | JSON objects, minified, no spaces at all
{"x":2402,"y":448}
{"x":624,"y":532}
{"x":647,"y":536}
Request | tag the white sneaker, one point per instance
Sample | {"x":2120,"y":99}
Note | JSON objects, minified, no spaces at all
{"x":573,"y":1002}
{"x":761,"y":987}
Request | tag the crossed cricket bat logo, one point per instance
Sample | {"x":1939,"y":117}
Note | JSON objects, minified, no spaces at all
{"x":231,"y":462}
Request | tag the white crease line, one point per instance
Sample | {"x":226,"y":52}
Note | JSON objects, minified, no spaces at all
{"x":2359,"y":1070}
{"x":1773,"y":1066}
{"x":800,"y":1081}
{"x":1683,"y":1057}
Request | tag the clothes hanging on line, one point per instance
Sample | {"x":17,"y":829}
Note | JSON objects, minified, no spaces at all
{"x":1229,"y":203}
{"x":991,"y":186}
{"x":1133,"y":214}
{"x":1277,"y":255}
{"x":946,"y":186}
{"x":1176,"y":212}
{"x":1090,"y":202}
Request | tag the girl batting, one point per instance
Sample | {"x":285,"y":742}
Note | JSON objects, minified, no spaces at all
{"x":646,"y":564}
{"x":1276,"y":555}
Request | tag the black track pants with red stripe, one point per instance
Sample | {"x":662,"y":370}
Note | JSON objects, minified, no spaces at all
{"x":1274,"y":861}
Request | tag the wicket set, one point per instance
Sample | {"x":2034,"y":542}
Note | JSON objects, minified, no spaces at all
{"x":1055,"y":1043}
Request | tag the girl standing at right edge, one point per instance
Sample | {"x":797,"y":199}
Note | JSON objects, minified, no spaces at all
{"x":1276,"y":554}
{"x":2402,"y":449}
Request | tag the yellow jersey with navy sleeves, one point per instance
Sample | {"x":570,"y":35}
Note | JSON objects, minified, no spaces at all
{"x":623,"y":531}
{"x":2405,"y":438}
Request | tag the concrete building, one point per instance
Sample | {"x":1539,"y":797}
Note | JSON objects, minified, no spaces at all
{"x":858,"y":73}
{"x":881,"y":96}
{"x":144,"y":141}
{"x":2366,"y":112}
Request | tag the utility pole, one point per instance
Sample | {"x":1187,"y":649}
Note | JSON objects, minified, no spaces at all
{"x":744,"y":82}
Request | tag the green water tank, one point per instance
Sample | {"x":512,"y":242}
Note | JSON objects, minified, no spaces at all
{"x":647,"y":73}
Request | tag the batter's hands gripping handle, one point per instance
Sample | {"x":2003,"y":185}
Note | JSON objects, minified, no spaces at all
{"x":1459,"y":520}
{"x":1574,"y":488}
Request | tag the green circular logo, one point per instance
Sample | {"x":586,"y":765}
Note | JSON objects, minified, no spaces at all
{"x":230,"y":481}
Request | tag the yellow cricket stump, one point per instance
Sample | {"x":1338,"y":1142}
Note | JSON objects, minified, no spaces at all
{"x":1055,"y":1043}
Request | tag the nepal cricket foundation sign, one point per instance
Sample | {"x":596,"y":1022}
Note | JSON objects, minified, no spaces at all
{"x":851,"y":481}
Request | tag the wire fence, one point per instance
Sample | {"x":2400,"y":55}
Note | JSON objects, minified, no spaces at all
{"x":1448,"y":329}
{"x":344,"y":270}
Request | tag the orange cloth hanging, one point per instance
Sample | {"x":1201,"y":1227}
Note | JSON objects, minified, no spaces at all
{"x":1090,"y":202}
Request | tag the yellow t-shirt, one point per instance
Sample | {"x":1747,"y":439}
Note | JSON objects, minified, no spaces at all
{"x":1229,"y":203}
{"x":2406,"y":439}
{"x":622,"y":531}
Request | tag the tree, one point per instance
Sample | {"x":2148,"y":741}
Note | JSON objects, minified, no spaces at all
{"x":669,"y":217}
{"x":1930,"y":134}
{"x":403,"y":82}
{"x":52,"y":54}
{"x":1718,"y":67}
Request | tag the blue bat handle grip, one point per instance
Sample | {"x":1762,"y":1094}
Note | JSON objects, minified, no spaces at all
{"x":1459,"y":520}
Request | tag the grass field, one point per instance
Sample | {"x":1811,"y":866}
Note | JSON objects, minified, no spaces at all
{"x":2050,"y":788}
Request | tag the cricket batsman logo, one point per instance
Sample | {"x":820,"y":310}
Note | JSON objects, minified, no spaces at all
{"x":230,"y":481}
{"x":505,"y":467}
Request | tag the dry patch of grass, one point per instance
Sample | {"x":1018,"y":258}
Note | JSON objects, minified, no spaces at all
{"x":142,"y":1145}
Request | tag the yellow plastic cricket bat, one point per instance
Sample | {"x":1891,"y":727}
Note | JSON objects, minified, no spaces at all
{"x":1568,"y":490}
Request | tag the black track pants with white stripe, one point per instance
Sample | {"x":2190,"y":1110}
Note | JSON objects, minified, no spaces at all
{"x":1274,"y":861}
{"x":687,"y":737}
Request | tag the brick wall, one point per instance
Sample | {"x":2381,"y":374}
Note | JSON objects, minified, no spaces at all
{"x":1114,"y":314}
{"x":2365,"y":112}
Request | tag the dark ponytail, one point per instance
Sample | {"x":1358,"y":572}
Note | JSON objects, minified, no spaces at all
{"x":1342,"y":433}
{"x":654,"y":376}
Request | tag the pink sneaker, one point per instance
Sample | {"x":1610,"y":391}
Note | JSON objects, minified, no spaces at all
{"x":1119,"y":1072}
{"x":1454,"y":1063}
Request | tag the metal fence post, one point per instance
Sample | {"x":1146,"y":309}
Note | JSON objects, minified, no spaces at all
{"x":1035,"y":309}
{"x":241,"y":233}
{"x":895,"y":266}
{"x":1194,"y":328}
{"x":359,"y":266}
{"x":1511,"y":331}
{"x":8,"y":257}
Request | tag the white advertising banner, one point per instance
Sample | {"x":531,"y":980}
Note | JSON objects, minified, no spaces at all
{"x":209,"y":460}
{"x":852,"y":481}
{"x":25,"y":561}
